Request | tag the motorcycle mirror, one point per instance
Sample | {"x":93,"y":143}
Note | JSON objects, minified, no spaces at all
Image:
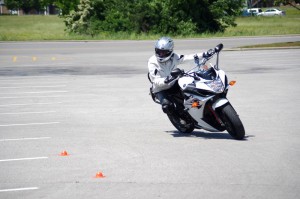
{"x":219,"y":47}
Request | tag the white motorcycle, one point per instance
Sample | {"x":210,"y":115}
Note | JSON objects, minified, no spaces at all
{"x":202,"y":102}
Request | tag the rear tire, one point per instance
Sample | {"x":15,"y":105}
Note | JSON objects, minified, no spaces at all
{"x":182,"y":124}
{"x":233,"y":124}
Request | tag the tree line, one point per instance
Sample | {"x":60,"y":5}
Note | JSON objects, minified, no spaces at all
{"x":180,"y":17}
{"x":39,"y":5}
{"x":173,"y":17}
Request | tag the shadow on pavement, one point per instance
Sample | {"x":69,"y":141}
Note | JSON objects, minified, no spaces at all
{"x":68,"y":70}
{"x":206,"y":135}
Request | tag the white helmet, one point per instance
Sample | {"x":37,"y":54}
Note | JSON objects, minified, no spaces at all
{"x":164,"y":49}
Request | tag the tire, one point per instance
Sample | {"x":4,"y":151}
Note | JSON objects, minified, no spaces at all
{"x":233,"y":124}
{"x":182,"y":124}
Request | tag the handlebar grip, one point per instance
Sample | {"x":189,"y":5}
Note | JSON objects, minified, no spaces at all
{"x":169,"y":79}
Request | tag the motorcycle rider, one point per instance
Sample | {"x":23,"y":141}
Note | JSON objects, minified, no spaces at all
{"x":160,"y":67}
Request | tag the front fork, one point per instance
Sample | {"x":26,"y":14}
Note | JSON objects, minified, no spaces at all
{"x":213,"y":108}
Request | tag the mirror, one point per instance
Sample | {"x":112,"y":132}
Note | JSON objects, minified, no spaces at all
{"x":219,"y":47}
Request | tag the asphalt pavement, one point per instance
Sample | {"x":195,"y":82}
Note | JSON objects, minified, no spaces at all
{"x":91,"y":99}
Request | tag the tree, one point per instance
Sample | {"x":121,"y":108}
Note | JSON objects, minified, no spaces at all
{"x":66,"y":6}
{"x":288,"y":2}
{"x":78,"y":22}
{"x":181,"y":17}
{"x":27,"y":5}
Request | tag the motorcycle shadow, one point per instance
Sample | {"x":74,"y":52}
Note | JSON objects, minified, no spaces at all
{"x":204,"y":135}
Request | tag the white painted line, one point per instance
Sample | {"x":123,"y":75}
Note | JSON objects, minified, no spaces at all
{"x":33,"y":78}
{"x":19,"y":189}
{"x":20,"y":113}
{"x":30,"y":97}
{"x":20,"y":159}
{"x":22,"y":83}
{"x":35,"y":92}
{"x":22,"y":87}
{"x":21,"y":139}
{"x":5,"y":105}
{"x":28,"y":124}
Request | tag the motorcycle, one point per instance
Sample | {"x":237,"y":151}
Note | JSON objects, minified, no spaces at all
{"x":201,"y":102}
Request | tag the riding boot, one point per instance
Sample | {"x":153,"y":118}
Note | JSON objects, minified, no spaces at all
{"x":168,"y":107}
{"x":170,"y":110}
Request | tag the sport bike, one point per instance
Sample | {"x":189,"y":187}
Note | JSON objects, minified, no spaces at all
{"x":201,"y":101}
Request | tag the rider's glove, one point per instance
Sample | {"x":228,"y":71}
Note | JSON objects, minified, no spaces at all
{"x":177,"y":72}
{"x":174,"y":74}
{"x":208,"y":54}
{"x":196,"y":59}
{"x":168,"y":79}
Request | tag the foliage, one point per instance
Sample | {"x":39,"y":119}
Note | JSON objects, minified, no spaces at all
{"x":79,"y":21}
{"x":51,"y":27}
{"x":286,"y":2}
{"x":26,"y":5}
{"x":175,"y":17}
{"x":66,"y":6}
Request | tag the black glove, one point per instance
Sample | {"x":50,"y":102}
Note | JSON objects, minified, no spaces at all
{"x":174,"y":74}
{"x":208,"y":54}
{"x":196,"y":59}
{"x":168,"y":79}
{"x":177,"y":72}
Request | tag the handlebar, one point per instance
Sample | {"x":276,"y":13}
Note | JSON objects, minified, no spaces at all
{"x":210,"y":53}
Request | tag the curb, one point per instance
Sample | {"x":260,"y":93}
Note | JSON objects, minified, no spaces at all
{"x":262,"y":48}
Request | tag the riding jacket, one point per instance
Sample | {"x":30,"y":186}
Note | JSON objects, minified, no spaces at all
{"x":158,"y":71}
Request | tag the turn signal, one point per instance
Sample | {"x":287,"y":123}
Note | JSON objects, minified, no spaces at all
{"x":231,"y":83}
{"x":195,"y":104}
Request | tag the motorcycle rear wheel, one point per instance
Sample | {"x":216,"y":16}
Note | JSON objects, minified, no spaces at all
{"x":184,"y":125}
{"x":233,"y":124}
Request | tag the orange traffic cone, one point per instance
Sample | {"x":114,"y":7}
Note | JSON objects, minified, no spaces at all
{"x":99,"y":175}
{"x":64,"y":153}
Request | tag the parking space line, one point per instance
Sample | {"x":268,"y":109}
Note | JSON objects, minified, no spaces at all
{"x":21,"y":87}
{"x":16,"y":97}
{"x":20,"y":159}
{"x":29,"y":104}
{"x":43,"y":78}
{"x":28,"y":124}
{"x":15,"y":82}
{"x":20,"y":113}
{"x":35,"y":92}
{"x":19,"y":189}
{"x":18,"y":139}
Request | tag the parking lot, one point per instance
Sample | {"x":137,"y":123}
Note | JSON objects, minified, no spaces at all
{"x":91,"y":100}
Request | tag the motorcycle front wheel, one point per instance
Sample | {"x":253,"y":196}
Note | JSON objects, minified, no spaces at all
{"x":182,"y":124}
{"x":233,"y":124}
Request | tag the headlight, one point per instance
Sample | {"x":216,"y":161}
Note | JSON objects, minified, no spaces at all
{"x":216,"y":85}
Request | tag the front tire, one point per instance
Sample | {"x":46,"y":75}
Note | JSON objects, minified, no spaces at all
{"x":233,"y":124}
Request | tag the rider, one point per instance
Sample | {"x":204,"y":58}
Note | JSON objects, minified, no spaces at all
{"x":160,"y":67}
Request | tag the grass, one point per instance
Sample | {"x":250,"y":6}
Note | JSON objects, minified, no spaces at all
{"x":276,"y":25}
{"x":257,"y":26}
{"x":31,"y":27}
{"x":37,"y":27}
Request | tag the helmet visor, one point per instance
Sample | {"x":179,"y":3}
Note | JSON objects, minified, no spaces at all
{"x":162,"y":53}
